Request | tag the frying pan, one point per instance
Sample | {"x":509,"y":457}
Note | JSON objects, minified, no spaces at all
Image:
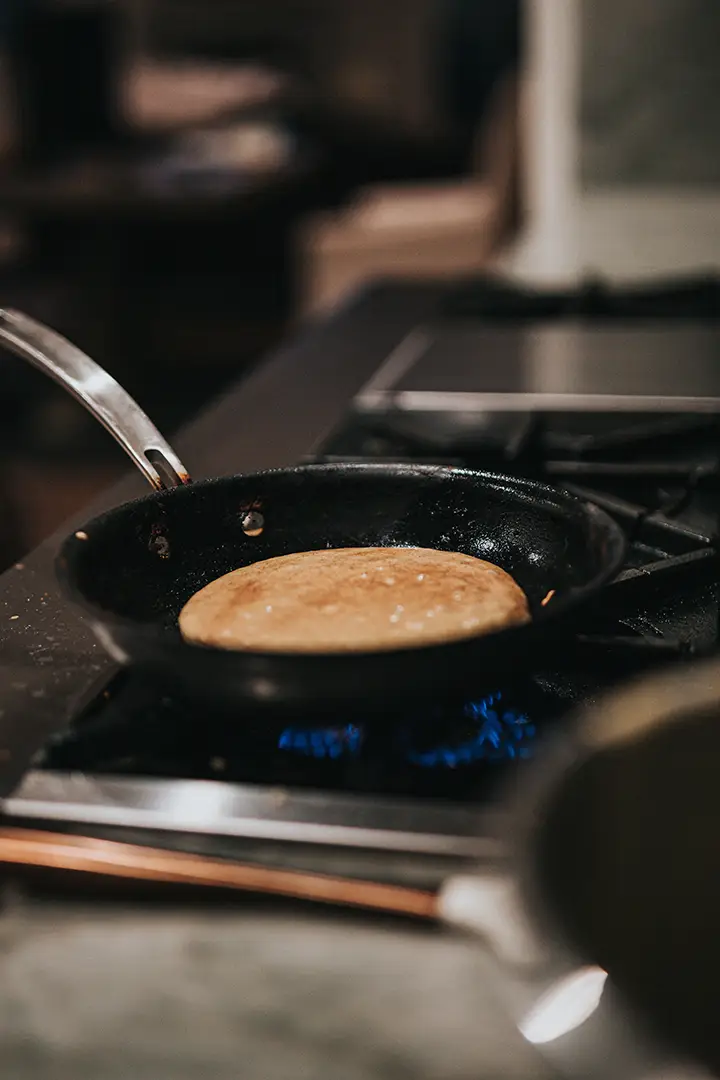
{"x":132,"y":569}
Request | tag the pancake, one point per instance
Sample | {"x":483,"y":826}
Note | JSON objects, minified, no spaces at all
{"x":353,"y":600}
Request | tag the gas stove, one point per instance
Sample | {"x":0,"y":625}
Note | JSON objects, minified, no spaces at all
{"x":135,"y":758}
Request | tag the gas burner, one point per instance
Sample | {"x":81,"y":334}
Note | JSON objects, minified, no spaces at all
{"x":491,"y":729}
{"x":487,"y":730}
{"x":323,"y":743}
{"x":449,"y":752}
{"x":658,"y":475}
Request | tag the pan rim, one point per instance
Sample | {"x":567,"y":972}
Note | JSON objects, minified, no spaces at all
{"x":556,"y":496}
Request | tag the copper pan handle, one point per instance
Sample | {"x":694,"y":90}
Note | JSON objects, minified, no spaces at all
{"x":101,"y":395}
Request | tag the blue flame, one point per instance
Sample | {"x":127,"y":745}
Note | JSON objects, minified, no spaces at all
{"x":502,"y":734}
{"x":497,"y":733}
{"x":333,"y":742}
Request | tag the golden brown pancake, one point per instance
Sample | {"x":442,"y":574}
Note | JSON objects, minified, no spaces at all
{"x":353,"y":600}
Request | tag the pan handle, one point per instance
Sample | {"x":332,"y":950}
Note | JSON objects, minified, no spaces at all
{"x":101,"y":395}
{"x":564,"y":1007}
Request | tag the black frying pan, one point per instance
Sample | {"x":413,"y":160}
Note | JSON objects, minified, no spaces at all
{"x":133,"y":568}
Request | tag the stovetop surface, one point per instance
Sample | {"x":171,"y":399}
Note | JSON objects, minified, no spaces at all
{"x":447,"y":754}
{"x":657,"y":474}
{"x":647,"y":618}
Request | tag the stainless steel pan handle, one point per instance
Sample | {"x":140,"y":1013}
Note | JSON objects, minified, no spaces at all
{"x":101,"y":395}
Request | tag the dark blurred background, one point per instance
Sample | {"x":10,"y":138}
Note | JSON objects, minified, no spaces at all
{"x":173,"y":173}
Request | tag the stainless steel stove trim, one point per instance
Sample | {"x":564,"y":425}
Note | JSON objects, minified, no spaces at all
{"x":373,"y":400}
{"x":398,"y":363}
{"x":257,"y":813}
{"x":547,"y":354}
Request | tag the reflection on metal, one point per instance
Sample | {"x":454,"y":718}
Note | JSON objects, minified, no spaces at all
{"x":99,"y":393}
{"x":467,"y":368}
{"x":253,"y":523}
{"x":564,"y":1006}
{"x":109,"y":644}
{"x":220,"y":809}
{"x":487,"y":904}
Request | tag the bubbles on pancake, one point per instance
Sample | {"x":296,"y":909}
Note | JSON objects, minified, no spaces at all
{"x":397,"y":614}
{"x":353,"y":599}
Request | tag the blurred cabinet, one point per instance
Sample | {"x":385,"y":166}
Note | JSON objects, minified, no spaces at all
{"x":375,"y":60}
{"x":419,"y":230}
{"x":401,"y":231}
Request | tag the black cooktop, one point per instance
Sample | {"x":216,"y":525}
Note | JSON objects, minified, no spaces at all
{"x":662,"y":609}
{"x":657,"y":474}
{"x":447,"y":754}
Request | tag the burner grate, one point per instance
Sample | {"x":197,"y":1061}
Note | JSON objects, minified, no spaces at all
{"x":447,"y":753}
{"x":657,"y":476}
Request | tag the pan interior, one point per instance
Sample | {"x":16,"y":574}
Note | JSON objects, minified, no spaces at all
{"x":145,"y":560}
{"x":629,"y":859}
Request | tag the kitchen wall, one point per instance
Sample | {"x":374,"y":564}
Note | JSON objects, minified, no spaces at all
{"x":650,"y":92}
